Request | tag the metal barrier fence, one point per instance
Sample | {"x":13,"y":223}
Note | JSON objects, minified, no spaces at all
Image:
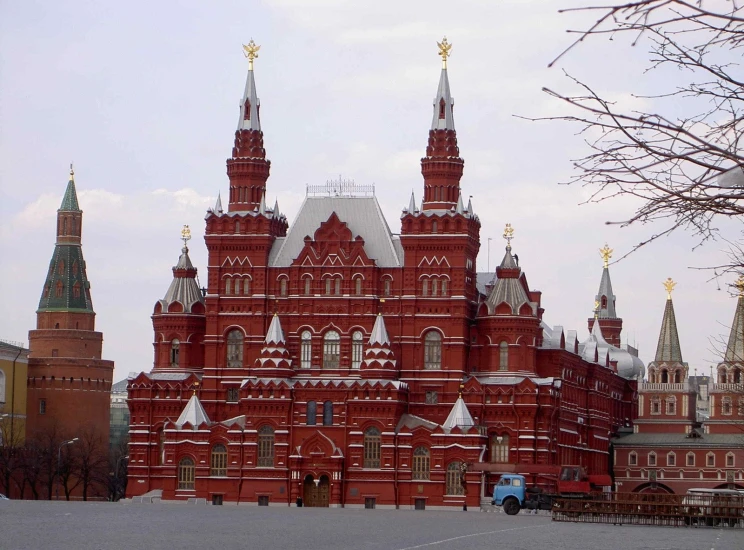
{"x":697,"y":510}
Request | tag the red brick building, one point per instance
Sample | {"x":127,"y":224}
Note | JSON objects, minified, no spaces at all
{"x":338,"y":362}
{"x":68,"y":383}
{"x":672,"y":450}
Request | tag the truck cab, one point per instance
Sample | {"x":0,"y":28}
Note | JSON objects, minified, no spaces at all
{"x":509,"y":492}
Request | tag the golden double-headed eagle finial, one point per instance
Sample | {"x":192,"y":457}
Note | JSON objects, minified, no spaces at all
{"x":251,"y":52}
{"x":185,"y":234}
{"x":596,"y":309}
{"x":444,"y":51}
{"x":739,"y":284}
{"x":606,"y":254}
{"x":669,"y":286}
{"x":508,"y":235}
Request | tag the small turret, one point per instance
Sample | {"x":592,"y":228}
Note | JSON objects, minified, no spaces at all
{"x":379,"y":360}
{"x":611,"y":324}
{"x":274,"y":359}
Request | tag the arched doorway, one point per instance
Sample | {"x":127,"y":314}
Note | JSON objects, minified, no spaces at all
{"x":316,"y":492}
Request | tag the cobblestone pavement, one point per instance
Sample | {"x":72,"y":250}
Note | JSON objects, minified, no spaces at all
{"x":104,"y":526}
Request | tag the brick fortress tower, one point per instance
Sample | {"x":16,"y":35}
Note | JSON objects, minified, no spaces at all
{"x":68,"y":382}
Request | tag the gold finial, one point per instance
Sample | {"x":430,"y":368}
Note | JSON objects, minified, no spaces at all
{"x":739,"y":284}
{"x":196,"y":386}
{"x":251,"y":52}
{"x":444,"y":51}
{"x":72,"y":173}
{"x":185,"y":234}
{"x":508,"y":235}
{"x":669,"y":286}
{"x":596,"y":309}
{"x":462,"y":386}
{"x":606,"y":254}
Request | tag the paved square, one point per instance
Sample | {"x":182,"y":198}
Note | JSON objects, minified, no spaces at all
{"x":107,"y":526}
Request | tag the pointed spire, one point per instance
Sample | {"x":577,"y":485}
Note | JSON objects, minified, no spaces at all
{"x":459,"y":416}
{"x":412,"y":204}
{"x":249,"y":106}
{"x":470,"y":206}
{"x":443,"y":118}
{"x":262,"y":205}
{"x":735,"y":348}
{"x":193,"y":413}
{"x":379,"y":335}
{"x":70,"y":200}
{"x":218,"y":205}
{"x":459,"y":209}
{"x":668,"y":349}
{"x":276,"y":212}
{"x":275,"y":335}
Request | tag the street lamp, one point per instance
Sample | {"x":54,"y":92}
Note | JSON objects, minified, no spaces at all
{"x":59,"y":459}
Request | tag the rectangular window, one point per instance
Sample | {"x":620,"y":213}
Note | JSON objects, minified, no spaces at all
{"x":710,"y":460}
{"x":283,"y":287}
{"x":656,"y":407}
{"x":42,"y":406}
{"x":432,"y":398}
{"x":691,"y":459}
{"x":232,"y":395}
{"x":671,"y":459}
{"x":652,"y":459}
{"x":386,"y":287}
{"x":729,"y":461}
{"x":328,"y":283}
{"x":338,"y":286}
{"x":444,"y":287}
{"x":632,"y":459}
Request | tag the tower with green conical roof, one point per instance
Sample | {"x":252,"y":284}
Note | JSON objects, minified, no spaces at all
{"x":68,"y":382}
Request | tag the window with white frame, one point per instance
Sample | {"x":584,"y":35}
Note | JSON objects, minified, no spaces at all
{"x":730,"y":460}
{"x":186,"y":474}
{"x":266,"y":447}
{"x":357,"y":349}
{"x":726,"y":407}
{"x":283,"y":286}
{"x":331,"y":349}
{"x":690,"y":459}
{"x":633,"y":459}
{"x":174,"y":352}
{"x":218,"y":466}
{"x":454,"y":479}
{"x":358,"y":286}
{"x":671,"y":405}
{"x":372,"y":444}
{"x":671,"y":459}
{"x":235,"y":348}
{"x":421,"y":463}
{"x":433,"y":350}
{"x":500,"y":449}
{"x":655,"y":405}
{"x":503,"y":356}
{"x":710,"y":460}
{"x":652,"y":458}
{"x":306,"y":349}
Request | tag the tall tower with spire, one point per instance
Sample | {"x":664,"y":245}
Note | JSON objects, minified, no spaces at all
{"x":609,"y":322}
{"x":248,"y":168}
{"x":68,"y":382}
{"x":667,"y":402}
{"x":442,"y":166}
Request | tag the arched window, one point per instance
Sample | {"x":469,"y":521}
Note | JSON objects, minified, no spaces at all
{"x":425,"y":287}
{"x":59,"y":290}
{"x":357,"y":349}
{"x":331,"y":349}
{"x":307,"y":286}
{"x":266,"y":447}
{"x":721,"y":375}
{"x":454,"y":479}
{"x":328,"y":286}
{"x":421,"y":463}
{"x":434,"y":226}
{"x":604,"y":302}
{"x":444,"y":287}
{"x":372,"y":448}
{"x":677,"y":376}
{"x":228,"y":285}
{"x":433,"y":350}
{"x":219,"y":461}
{"x":503,"y":356}
{"x":337,"y":285}
{"x":186,"y":474}
{"x":64,"y":226}
{"x":434,"y":287}
{"x":358,"y":286}
{"x":235,"y":349}
{"x":76,"y":290}
{"x":386,"y":287}
{"x":174,"y":352}
{"x":306,"y":349}
{"x":664,"y":376}
{"x":246,"y":286}
{"x":328,"y":413}
{"x":312,"y":413}
{"x":500,"y":449}
{"x":61,"y":267}
{"x":237,"y":226}
{"x":283,"y":286}
{"x":737,"y":376}
{"x":671,"y":405}
{"x":671,"y":459}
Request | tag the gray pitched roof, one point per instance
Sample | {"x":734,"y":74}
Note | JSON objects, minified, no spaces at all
{"x":275,"y":335}
{"x":193,"y":413}
{"x":362,"y":215}
{"x":379,"y":333}
{"x":508,"y":287}
{"x":184,"y":288}
{"x":668,"y":349}
{"x":605,"y":290}
{"x":735,"y":347}
{"x":459,"y":416}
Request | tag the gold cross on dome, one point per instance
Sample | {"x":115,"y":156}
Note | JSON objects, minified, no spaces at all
{"x":185,"y":234}
{"x":606,"y":254}
{"x":251,"y":52}
{"x":669,"y":286}
{"x":739,"y":284}
{"x":444,"y":51}
{"x":508,"y":235}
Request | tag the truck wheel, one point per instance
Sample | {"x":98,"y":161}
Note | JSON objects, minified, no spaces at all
{"x":511,"y":507}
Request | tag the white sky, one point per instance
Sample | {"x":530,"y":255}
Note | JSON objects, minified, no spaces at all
{"x":143,"y":97}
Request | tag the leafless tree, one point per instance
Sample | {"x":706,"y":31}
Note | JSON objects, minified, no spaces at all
{"x":91,"y":462}
{"x":682,"y":160}
{"x":10,"y":454}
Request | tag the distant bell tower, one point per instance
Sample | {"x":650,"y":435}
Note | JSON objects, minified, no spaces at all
{"x":68,"y":382}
